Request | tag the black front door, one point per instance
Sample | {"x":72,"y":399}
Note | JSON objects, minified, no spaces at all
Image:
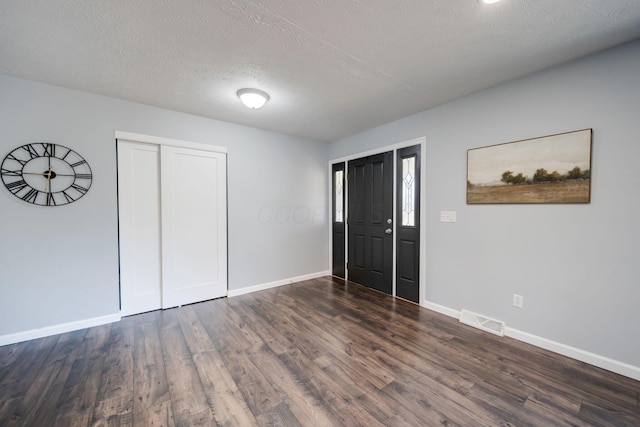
{"x":370,"y":221}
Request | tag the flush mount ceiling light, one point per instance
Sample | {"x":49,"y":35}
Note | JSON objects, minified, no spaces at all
{"x":253,"y":98}
{"x":488,"y":1}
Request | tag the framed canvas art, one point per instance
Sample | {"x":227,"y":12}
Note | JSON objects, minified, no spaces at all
{"x":548,"y":169}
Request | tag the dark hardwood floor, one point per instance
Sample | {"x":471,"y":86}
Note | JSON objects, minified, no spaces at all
{"x":315,"y":353}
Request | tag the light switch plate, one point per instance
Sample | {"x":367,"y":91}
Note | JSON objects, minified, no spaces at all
{"x":447,"y":216}
{"x":518,"y":300}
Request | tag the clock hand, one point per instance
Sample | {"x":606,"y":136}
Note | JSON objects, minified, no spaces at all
{"x":46,"y":173}
{"x":49,"y":178}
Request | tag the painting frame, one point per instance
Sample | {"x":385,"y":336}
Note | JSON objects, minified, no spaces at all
{"x":551,"y":169}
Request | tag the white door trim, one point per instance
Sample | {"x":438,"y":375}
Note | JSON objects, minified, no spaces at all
{"x":159,"y":140}
{"x":393,"y":147}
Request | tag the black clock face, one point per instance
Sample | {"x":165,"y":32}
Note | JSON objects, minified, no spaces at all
{"x":46,"y":174}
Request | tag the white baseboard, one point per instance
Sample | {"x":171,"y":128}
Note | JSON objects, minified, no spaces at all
{"x":556,"y":347}
{"x":58,"y":329}
{"x":102,"y":320}
{"x":576,"y":353}
{"x":441,"y":309}
{"x":262,"y":287}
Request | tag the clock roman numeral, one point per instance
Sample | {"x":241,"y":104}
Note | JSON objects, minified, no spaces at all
{"x":83,"y":176}
{"x":79,"y":188}
{"x":7,"y":172}
{"x":51,"y":201}
{"x":12,"y":157}
{"x":68,"y":152}
{"x":81,"y":162}
{"x":68,"y":197}
{"x":16,"y":186}
{"x":31,"y":196}
{"x":49,"y":149}
{"x":31,"y":150}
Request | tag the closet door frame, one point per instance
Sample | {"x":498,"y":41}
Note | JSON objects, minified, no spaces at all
{"x":160,"y":141}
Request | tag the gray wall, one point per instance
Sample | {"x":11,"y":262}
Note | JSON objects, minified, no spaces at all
{"x":577,"y":266}
{"x":60,"y":264}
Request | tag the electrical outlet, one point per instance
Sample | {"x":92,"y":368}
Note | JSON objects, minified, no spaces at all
{"x":518,"y":300}
{"x":447,"y":216}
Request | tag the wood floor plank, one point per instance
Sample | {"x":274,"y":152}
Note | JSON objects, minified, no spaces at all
{"x":231,"y":340}
{"x":21,"y":375}
{"x":314,"y":341}
{"x":278,"y":343}
{"x":598,"y":415}
{"x":302,"y":403}
{"x":77,"y":402}
{"x":45,"y":410}
{"x":370,"y":342}
{"x":114,"y":400}
{"x":559,"y":411}
{"x":354,"y":381}
{"x":189,"y":404}
{"x":314,"y":353}
{"x":158,"y":414}
{"x":223,"y":396}
{"x":7,"y":412}
{"x":279,"y":416}
{"x":9,"y":354}
{"x":18,"y":376}
{"x":429,"y":364}
{"x":44,"y":384}
{"x":340,"y":405}
{"x":450,"y":405}
{"x":151,"y":400}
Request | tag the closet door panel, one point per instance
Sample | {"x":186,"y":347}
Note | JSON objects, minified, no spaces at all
{"x":139,"y":227}
{"x":194,"y":241}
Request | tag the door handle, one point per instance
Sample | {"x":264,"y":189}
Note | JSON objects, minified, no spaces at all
{"x":388,"y":231}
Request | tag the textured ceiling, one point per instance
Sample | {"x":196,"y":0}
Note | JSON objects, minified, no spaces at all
{"x":332,"y":67}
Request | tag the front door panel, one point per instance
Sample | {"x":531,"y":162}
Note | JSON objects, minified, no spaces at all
{"x":370,"y":215}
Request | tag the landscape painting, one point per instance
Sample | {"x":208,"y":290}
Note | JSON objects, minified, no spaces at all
{"x":548,"y":169}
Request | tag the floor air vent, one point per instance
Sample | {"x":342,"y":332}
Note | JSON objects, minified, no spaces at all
{"x":481,"y":322}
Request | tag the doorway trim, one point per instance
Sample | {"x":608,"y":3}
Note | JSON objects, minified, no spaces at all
{"x":137,"y":137}
{"x":422,"y":141}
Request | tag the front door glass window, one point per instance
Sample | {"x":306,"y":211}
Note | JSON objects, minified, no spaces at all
{"x":408,"y":191}
{"x":339,"y":197}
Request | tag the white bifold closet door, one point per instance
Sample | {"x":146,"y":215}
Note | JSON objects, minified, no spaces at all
{"x":173,"y":225}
